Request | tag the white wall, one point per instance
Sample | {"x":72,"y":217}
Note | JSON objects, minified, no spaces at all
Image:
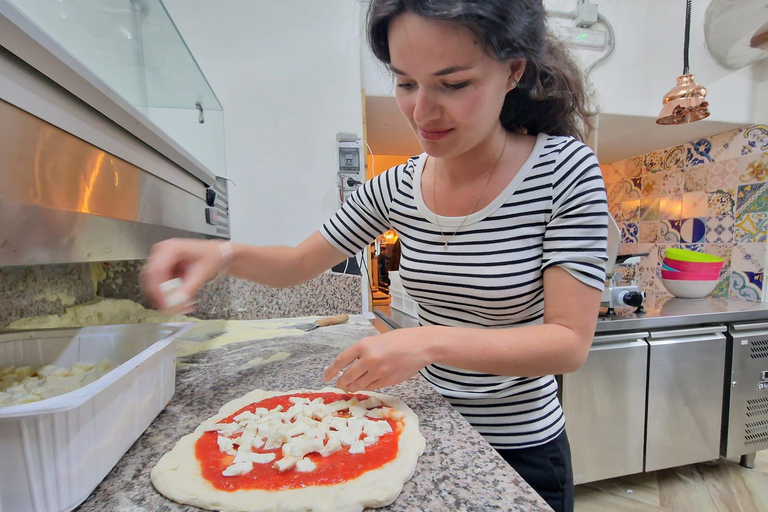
{"x":646,"y":62}
{"x":288,"y":76}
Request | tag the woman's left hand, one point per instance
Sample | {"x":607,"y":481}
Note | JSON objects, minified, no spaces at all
{"x":380,"y":361}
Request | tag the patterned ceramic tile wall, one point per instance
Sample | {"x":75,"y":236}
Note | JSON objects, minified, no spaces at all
{"x":709,"y":195}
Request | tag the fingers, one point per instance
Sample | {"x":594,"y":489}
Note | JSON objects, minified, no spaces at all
{"x":194,"y":261}
{"x":351,"y":375}
{"x":367,"y":382}
{"x":343,"y":360}
{"x":159,"y":268}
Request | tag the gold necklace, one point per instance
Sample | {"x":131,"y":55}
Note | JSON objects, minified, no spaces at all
{"x":434,"y":198}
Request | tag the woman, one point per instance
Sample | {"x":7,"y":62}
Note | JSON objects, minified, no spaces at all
{"x":502,"y":224}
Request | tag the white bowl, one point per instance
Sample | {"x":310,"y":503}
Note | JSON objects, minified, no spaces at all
{"x":689,"y":289}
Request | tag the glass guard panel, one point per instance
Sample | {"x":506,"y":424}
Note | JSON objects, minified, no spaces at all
{"x":134,"y":47}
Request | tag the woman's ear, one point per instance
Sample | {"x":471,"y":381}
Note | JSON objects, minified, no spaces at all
{"x":516,"y":70}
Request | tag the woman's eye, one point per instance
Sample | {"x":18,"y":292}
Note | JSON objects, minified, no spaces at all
{"x":457,"y":86}
{"x":405,"y":85}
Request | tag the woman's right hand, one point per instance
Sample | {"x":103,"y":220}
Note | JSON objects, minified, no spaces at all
{"x":194,"y":261}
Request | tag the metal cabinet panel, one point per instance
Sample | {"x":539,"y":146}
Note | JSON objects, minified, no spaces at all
{"x":685,"y":392}
{"x":604,"y":405}
{"x":745,"y":415}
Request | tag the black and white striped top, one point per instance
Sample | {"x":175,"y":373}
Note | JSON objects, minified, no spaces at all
{"x":554,"y":212}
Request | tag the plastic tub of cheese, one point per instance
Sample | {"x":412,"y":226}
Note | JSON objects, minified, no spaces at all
{"x":55,"y":451}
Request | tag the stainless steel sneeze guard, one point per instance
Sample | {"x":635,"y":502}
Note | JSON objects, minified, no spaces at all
{"x":65,"y":200}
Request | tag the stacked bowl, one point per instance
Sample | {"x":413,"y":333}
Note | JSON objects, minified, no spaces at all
{"x":690,"y":274}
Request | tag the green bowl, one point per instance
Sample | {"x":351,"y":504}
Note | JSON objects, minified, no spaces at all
{"x":688,"y":255}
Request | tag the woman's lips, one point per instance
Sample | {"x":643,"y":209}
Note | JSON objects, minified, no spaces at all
{"x":433,"y":134}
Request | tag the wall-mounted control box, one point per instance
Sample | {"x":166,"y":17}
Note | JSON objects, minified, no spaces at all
{"x":350,"y":164}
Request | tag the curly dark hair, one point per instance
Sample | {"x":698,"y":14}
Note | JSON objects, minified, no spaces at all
{"x":551,"y":96}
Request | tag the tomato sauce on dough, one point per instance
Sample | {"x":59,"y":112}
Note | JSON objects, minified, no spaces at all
{"x":336,"y":468}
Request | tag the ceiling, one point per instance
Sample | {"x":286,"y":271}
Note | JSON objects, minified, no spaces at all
{"x":619,"y":136}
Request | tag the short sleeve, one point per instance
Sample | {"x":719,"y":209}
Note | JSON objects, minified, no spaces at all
{"x":363,"y":216}
{"x":576,"y":237}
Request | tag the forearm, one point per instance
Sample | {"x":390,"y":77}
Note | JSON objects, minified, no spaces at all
{"x":521,"y":351}
{"x":283,"y":266}
{"x":272,"y":266}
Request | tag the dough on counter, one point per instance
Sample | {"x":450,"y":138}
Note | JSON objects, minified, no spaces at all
{"x":99,"y":312}
{"x":259,"y":442}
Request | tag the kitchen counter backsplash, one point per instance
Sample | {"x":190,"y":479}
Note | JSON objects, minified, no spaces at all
{"x":709,"y":195}
{"x":43,"y":290}
{"x":50,"y":289}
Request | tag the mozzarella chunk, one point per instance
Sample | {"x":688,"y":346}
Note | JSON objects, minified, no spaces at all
{"x":226,"y":445}
{"x":238,"y":468}
{"x":305,"y":465}
{"x":357,"y":447}
{"x":275,"y":440}
{"x":371,"y":403}
{"x":332,"y":446}
{"x":286,"y":463}
{"x":258,"y":458}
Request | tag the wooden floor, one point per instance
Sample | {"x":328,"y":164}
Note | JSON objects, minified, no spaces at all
{"x":724,"y":486}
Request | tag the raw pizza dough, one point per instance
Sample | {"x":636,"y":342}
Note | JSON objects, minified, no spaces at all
{"x":178,"y":476}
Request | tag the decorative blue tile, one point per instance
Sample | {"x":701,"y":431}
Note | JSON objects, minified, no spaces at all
{"x":720,"y":230}
{"x":722,"y":288}
{"x":693,"y":231}
{"x":629,"y":233}
{"x":654,"y":162}
{"x":721,"y":202}
{"x":752,"y":198}
{"x":757,"y":139}
{"x":691,"y":247}
{"x":675,"y":158}
{"x":746,"y":285}
{"x":698,"y":152}
{"x":669,"y":231}
{"x":751,"y":227}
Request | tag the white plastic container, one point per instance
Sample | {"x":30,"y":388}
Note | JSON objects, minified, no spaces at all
{"x":401,"y":301}
{"x":54,"y":453}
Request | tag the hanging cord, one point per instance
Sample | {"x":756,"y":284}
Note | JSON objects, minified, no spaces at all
{"x":687,"y":36}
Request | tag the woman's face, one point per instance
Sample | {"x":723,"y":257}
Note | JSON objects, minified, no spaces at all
{"x":450,"y":90}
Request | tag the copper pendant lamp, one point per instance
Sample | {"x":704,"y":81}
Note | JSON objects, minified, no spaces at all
{"x":686,"y":102}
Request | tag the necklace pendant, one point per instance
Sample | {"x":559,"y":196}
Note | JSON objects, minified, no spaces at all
{"x":445,"y":246}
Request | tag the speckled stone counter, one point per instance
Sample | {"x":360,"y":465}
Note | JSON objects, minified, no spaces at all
{"x":458,"y":471}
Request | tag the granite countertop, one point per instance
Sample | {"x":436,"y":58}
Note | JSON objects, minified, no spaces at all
{"x":662,"y":311}
{"x":459,"y":471}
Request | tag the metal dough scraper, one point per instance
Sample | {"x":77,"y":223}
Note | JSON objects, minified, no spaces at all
{"x":322,"y":322}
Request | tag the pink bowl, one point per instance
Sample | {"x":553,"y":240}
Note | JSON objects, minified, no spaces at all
{"x":694,"y":266}
{"x":690,"y":276}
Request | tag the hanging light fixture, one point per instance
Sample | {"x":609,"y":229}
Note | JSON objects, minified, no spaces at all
{"x":686,"y":102}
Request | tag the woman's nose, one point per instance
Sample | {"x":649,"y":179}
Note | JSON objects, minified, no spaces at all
{"x":425,"y":108}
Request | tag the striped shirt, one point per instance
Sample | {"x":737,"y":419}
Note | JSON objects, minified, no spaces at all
{"x":553,"y":212}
